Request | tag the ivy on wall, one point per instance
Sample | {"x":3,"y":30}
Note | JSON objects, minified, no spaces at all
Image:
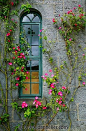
{"x":14,"y":61}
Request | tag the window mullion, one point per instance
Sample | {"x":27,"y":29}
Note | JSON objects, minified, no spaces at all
{"x":30,"y":77}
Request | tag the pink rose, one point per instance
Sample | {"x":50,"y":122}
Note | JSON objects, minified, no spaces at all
{"x":63,"y":105}
{"x":44,"y":108}
{"x":57,"y":108}
{"x":39,"y":103}
{"x":60,"y":102}
{"x":83,"y":83}
{"x":63,"y":87}
{"x":17,"y":84}
{"x":50,"y":91}
{"x":12,"y":3}
{"x":74,"y":8}
{"x":60,"y":93}
{"x":50,"y":70}
{"x":61,"y":98}
{"x":52,"y":85}
{"x":7,"y":34}
{"x":18,"y":78}
{"x":34,"y":102}
{"x":45,"y":78}
{"x":70,"y":39}
{"x":24,"y":104}
{"x":46,"y":74}
{"x":10,"y":30}
{"x":8,"y":40}
{"x":36,"y":98}
{"x":52,"y":75}
{"x":60,"y":27}
{"x":26,"y":77}
{"x":41,"y":30}
{"x":57,"y":100}
{"x":79,"y":5}
{"x":14,"y":69}
{"x":10,"y":63}
{"x":22,"y":67}
{"x":13,"y":48}
{"x":42,"y":76}
{"x":13,"y":57}
{"x":53,"y":20}
{"x":27,"y":72}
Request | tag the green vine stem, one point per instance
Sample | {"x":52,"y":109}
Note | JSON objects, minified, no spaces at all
{"x":69,"y":107}
{"x":50,"y":121}
{"x":2,"y":92}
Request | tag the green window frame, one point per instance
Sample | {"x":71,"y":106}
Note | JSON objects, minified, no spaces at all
{"x":31,"y":23}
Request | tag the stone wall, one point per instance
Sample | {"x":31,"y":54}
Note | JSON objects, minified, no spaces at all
{"x":50,"y":9}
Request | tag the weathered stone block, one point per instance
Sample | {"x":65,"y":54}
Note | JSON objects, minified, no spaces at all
{"x":82,"y":112}
{"x":80,"y":96}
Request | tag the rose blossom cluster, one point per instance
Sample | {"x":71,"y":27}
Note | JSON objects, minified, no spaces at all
{"x":18,"y":55}
{"x":24,"y":104}
{"x":36,"y":102}
{"x":70,"y":12}
{"x":53,"y":20}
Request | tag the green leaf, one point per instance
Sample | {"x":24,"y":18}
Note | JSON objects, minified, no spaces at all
{"x":72,"y":99}
{"x":45,"y":37}
{"x":27,"y":113}
{"x":16,"y":128}
{"x":26,"y":7}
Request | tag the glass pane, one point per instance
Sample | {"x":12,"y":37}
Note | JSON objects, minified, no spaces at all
{"x":27,"y":32}
{"x":26,"y":90}
{"x":35,"y":89}
{"x":35,"y":65}
{"x":25,"y":19}
{"x":35,"y":40}
{"x":35,"y":77}
{"x":35,"y":50}
{"x":30,"y":16}
{"x":36,"y":19}
{"x":35,"y":29}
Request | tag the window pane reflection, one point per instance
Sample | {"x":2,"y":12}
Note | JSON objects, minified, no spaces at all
{"x":35,"y":40}
{"x":35,"y":29}
{"x":26,"y":90}
{"x":34,"y":50}
{"x":32,"y":65}
{"x":30,"y":16}
{"x":25,"y":19}
{"x":27,"y":31}
{"x":35,"y":65}
{"x":35,"y":89}
{"x":36,"y":19}
{"x":35,"y":75}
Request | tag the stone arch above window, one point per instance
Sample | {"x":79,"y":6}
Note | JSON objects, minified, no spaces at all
{"x":33,"y":16}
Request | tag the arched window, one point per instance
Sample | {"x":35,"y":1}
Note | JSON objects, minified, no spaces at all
{"x":31,"y":24}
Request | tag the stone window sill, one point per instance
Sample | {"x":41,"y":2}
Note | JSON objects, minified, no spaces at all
{"x":30,"y":101}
